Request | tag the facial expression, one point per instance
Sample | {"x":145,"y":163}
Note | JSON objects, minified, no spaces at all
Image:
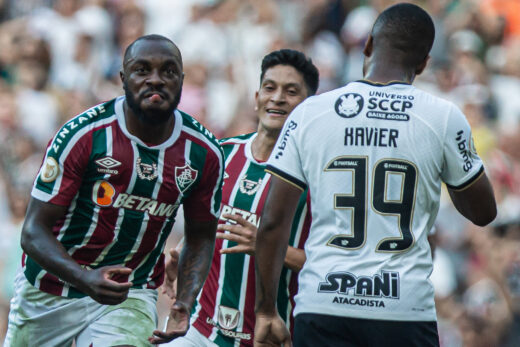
{"x":281,"y":90}
{"x":152,"y":79}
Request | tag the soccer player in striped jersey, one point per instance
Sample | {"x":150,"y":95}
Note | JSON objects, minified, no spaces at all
{"x":373,"y":155}
{"x":103,"y":205}
{"x":224,"y":314}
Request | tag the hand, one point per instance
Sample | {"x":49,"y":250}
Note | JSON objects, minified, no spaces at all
{"x":243,"y":233}
{"x":270,"y":330}
{"x":177,"y":324}
{"x":99,"y":285}
{"x":170,"y":281}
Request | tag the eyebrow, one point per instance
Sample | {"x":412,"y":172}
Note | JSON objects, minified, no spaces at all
{"x":291,"y":84}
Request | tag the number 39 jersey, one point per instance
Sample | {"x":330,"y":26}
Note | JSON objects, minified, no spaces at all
{"x":373,"y":158}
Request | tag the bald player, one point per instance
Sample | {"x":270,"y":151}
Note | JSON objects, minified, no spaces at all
{"x":373,"y":155}
{"x":102,"y":207}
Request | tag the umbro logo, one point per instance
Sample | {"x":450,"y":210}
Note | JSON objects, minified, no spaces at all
{"x":106,"y":165}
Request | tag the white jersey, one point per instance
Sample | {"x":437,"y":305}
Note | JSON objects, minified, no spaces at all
{"x":373,"y":157}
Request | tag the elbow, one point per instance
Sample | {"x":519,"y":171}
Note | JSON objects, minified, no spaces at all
{"x":484,"y":219}
{"x":26,"y":242}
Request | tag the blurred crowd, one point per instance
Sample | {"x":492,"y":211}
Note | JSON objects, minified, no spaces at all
{"x":60,"y":57}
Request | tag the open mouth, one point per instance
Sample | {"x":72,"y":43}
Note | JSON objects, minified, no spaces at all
{"x":275,"y":112}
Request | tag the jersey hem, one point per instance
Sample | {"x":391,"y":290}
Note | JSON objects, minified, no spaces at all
{"x":403,"y":317}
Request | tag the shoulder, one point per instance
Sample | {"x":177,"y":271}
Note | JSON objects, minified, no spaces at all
{"x":236,"y":140}
{"x":191,"y":126}
{"x":81,"y":125}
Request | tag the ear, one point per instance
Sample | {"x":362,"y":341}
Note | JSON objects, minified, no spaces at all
{"x":369,"y":46}
{"x":256,"y":100}
{"x":420,"y":68}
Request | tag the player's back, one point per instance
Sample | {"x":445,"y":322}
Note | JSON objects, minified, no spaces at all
{"x":373,"y":157}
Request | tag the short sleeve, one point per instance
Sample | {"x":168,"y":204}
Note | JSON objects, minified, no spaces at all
{"x":61,"y":173}
{"x":285,"y":161}
{"x":462,"y":165}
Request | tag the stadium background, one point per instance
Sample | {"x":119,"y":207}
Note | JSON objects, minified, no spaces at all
{"x":60,"y":57}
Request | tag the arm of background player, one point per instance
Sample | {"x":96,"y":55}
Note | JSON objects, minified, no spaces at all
{"x":41,"y":245}
{"x":271,"y":246}
{"x":476,"y":202}
{"x":194,"y":264}
{"x":244,"y":234}
{"x":294,"y":258}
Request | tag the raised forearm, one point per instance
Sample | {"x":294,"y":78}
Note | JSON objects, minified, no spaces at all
{"x":272,"y":240}
{"x":271,"y":246}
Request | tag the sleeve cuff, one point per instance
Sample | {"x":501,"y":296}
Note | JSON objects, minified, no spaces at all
{"x":286,"y":177}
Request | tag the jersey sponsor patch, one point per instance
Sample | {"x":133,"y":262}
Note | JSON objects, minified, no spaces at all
{"x":384,"y":285}
{"x":389,"y":106}
{"x":249,"y":187}
{"x":50,"y":171}
{"x":228,"y":317}
{"x":107,"y":164}
{"x":349,"y":105}
{"x":146,"y":171}
{"x":185,"y":176}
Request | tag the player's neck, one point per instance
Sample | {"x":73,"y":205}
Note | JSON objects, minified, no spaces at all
{"x":382,"y":73}
{"x":263,"y":144}
{"x":151,"y":134}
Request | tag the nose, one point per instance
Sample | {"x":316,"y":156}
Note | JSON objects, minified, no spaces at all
{"x":154,"y":78}
{"x":278,"y":96}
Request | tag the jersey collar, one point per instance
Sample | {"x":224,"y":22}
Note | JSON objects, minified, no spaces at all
{"x":122,"y":124}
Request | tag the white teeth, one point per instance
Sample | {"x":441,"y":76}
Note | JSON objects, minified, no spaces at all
{"x":276,"y":111}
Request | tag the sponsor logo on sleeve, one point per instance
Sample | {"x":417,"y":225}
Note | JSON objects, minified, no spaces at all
{"x":465,"y":149}
{"x":349,"y":105}
{"x":51,"y":170}
{"x":281,"y":147}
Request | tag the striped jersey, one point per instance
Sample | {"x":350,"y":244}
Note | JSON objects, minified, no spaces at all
{"x":373,"y":158}
{"x":224,"y":312}
{"x":122,"y":194}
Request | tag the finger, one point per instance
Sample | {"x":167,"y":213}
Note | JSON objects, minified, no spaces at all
{"x":234,"y":249}
{"x":237,"y":218}
{"x":174,"y":254}
{"x":118,"y":269}
{"x":114,"y":286}
{"x":163,"y":337}
{"x":234,"y":228}
{"x":232,"y":237}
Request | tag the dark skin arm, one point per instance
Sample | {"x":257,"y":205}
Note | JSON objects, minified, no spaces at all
{"x":271,"y":246}
{"x":194,"y":264}
{"x":41,"y":245}
{"x":476,"y":202}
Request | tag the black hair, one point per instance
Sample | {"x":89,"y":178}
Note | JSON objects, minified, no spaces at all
{"x":406,"y":29}
{"x":151,"y":37}
{"x":296,"y":59}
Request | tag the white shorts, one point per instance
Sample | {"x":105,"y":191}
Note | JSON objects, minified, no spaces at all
{"x":193,"y":338}
{"x":44,"y":320}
